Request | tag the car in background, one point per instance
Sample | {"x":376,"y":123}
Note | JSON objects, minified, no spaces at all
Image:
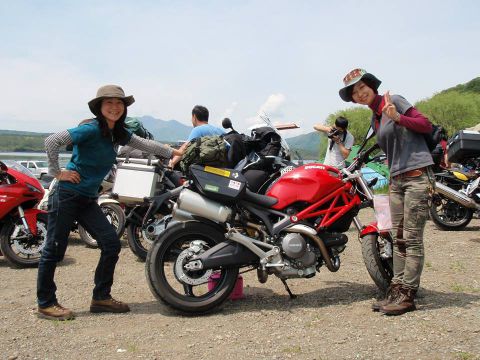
{"x":39,"y":168}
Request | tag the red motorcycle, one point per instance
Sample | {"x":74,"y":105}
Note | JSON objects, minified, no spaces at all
{"x":291,"y":232}
{"x":23,"y":228}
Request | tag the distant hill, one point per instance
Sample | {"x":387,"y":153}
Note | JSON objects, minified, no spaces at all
{"x":166,"y":130}
{"x":307,"y":145}
{"x":471,"y":86}
{"x":22,"y":133}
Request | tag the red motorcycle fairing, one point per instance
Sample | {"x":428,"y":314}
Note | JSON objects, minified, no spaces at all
{"x":321,"y":186}
{"x":372,"y":228}
{"x":307,"y":183}
{"x":31,"y":218}
{"x":25,"y":188}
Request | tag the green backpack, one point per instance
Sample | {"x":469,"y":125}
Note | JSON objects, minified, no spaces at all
{"x":206,"y":150}
{"x":135,"y":125}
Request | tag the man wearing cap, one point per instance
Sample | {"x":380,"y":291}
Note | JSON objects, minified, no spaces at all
{"x":75,"y":198}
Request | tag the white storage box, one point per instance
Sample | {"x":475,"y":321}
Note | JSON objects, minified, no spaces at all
{"x":134,"y":182}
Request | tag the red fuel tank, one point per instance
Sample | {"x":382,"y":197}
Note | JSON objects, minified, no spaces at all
{"x":308,"y":183}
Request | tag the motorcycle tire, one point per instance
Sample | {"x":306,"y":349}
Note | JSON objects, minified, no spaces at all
{"x":448,"y":215}
{"x":135,"y":238}
{"x":380,"y":270}
{"x":115,"y":216}
{"x":23,"y":254}
{"x":166,"y":252}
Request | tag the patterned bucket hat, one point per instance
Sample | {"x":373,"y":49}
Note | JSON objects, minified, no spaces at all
{"x":352,"y":78}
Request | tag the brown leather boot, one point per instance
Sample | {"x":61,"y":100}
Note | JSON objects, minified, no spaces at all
{"x":55,"y":312}
{"x":403,"y":303}
{"x":108,"y":305}
{"x":392,"y":293}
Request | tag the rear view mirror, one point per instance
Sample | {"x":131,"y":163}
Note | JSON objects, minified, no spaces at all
{"x":3,"y":168}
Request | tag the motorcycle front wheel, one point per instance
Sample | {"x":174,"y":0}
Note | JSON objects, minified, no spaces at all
{"x":115,"y":215}
{"x":449,"y":215}
{"x":380,"y":268}
{"x":20,"y":250}
{"x":188,"y":291}
{"x":137,"y":238}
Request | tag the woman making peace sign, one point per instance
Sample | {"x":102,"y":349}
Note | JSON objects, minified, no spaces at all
{"x":399,"y":128}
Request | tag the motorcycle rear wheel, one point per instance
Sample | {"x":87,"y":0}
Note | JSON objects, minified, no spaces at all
{"x":26,"y":252}
{"x":162,"y":263}
{"x":115,"y":216}
{"x":448,"y":215}
{"x":379,"y":269}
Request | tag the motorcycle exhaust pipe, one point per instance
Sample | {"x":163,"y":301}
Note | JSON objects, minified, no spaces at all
{"x":456,"y":196}
{"x":195,"y":204}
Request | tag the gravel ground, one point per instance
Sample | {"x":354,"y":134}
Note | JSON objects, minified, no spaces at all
{"x":331,"y":318}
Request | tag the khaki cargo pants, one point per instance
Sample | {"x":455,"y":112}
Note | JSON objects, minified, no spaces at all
{"x":409,"y":201}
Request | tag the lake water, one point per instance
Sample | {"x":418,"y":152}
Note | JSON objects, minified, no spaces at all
{"x":22,"y":156}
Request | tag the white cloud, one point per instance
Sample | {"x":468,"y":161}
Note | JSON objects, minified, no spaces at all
{"x":230,"y":110}
{"x":273,"y":106}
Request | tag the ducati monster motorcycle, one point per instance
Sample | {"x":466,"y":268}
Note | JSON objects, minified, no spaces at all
{"x":291,"y":232}
{"x":146,"y":222}
{"x":23,"y":227}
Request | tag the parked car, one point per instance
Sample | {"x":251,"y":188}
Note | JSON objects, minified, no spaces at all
{"x":39,"y":168}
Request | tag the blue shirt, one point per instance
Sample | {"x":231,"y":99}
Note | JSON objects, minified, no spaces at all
{"x":93,"y":156}
{"x":204,"y":130}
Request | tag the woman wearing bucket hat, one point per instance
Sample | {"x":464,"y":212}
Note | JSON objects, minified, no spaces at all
{"x":399,"y":128}
{"x":75,"y":197}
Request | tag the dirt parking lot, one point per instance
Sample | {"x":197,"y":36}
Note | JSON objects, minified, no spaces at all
{"x":331,"y":318}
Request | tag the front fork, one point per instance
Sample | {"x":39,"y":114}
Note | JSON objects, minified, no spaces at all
{"x":384,"y":238}
{"x":29,"y":220}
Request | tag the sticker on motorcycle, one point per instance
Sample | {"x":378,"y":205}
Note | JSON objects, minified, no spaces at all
{"x":217,"y":171}
{"x":211,"y":188}
{"x":235,"y":185}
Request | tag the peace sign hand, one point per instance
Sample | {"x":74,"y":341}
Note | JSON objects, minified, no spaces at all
{"x":389,"y":108}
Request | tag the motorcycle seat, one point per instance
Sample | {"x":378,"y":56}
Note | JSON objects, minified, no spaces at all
{"x":262,"y":200}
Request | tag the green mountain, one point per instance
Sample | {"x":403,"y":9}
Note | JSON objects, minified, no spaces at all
{"x":471,"y":86}
{"x":166,"y":130}
{"x":306,"y":145}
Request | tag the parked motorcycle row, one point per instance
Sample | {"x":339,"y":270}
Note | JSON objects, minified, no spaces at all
{"x":196,"y":232}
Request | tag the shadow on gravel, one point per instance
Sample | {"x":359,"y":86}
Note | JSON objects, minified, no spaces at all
{"x":429,"y":299}
{"x":335,"y":293}
{"x":262,"y":298}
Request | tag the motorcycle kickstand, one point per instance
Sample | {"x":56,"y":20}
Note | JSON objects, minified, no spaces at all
{"x":292,"y":295}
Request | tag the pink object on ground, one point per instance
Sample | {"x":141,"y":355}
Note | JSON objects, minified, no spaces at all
{"x":237,"y":292}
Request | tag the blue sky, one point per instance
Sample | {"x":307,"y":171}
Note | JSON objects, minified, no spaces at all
{"x":235,"y":57}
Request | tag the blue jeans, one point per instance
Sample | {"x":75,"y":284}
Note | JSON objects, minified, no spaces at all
{"x":64,"y":207}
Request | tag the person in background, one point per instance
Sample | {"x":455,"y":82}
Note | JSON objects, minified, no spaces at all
{"x":201,"y":127}
{"x":399,"y":128}
{"x":340,"y":142}
{"x":75,"y":198}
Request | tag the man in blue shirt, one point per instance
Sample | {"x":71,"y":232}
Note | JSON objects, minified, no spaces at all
{"x":201,"y":128}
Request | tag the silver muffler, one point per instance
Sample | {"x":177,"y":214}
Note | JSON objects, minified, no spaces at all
{"x":189,"y":202}
{"x":456,"y":196}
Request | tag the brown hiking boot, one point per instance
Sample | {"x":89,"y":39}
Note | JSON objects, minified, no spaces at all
{"x":108,"y":305}
{"x":392,"y":293}
{"x":403,"y":303}
{"x":55,"y":312}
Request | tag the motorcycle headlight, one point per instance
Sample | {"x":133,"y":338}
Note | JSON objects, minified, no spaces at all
{"x":33,"y":188}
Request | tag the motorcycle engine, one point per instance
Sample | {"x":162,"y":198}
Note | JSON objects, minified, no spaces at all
{"x":300,"y":258}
